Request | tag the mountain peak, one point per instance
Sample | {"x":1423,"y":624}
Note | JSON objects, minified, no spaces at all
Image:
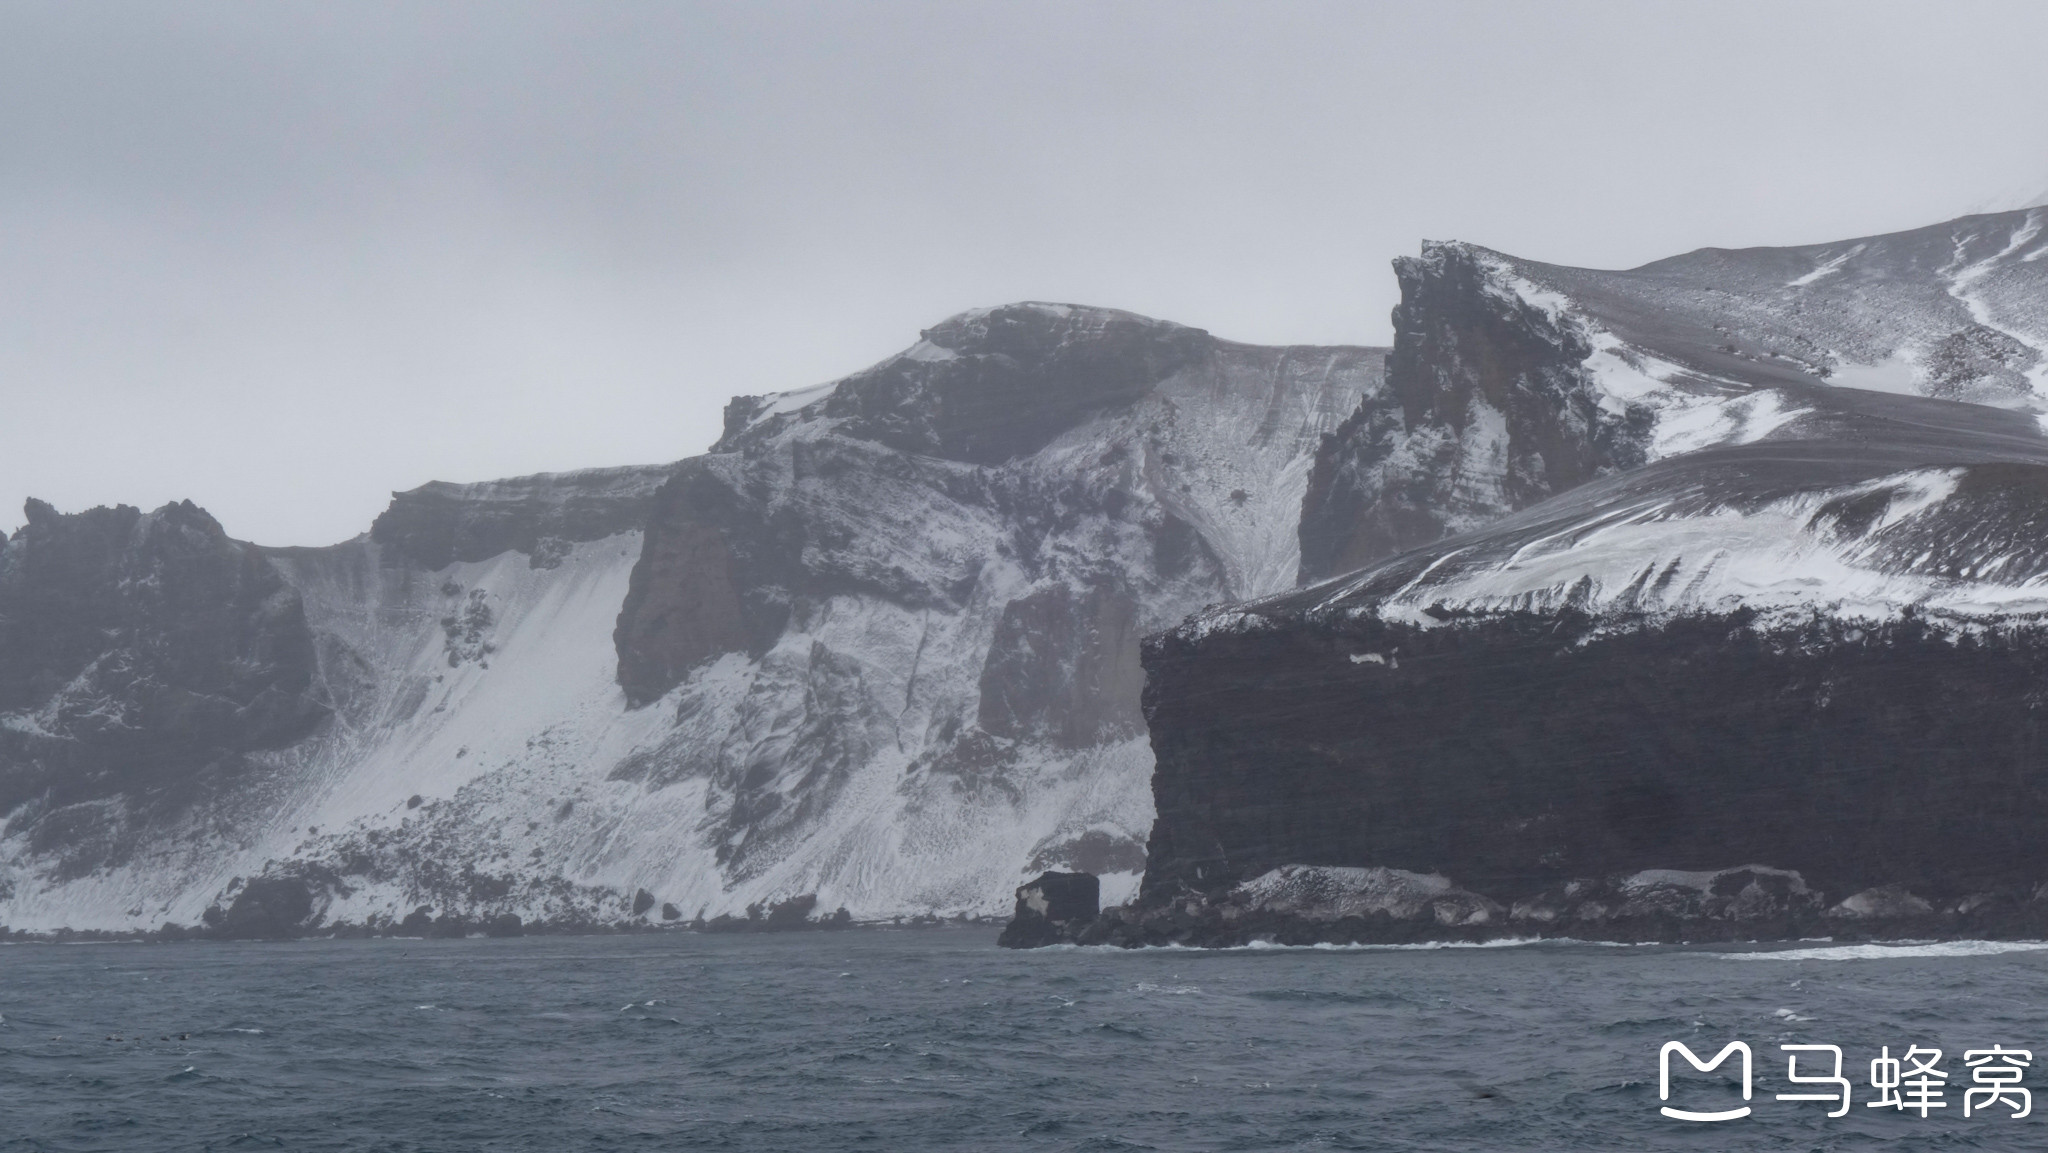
{"x":989,"y":384}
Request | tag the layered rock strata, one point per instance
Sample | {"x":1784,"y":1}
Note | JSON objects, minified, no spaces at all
{"x":1750,"y":644}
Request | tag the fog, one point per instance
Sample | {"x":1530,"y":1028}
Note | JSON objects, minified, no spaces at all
{"x":283,"y":258}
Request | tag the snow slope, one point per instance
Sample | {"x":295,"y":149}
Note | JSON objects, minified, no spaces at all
{"x":1512,"y":381}
{"x":955,"y":554}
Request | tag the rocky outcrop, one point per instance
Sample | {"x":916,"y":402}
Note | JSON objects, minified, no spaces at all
{"x":995,"y":384}
{"x":683,"y":606}
{"x":1052,"y":908}
{"x":1489,"y":407}
{"x":1512,"y":381}
{"x":267,"y":909}
{"x":438,"y":524}
{"x":1779,"y":678}
{"x":878,"y":654}
{"x":936,"y":573}
{"x":142,"y":657}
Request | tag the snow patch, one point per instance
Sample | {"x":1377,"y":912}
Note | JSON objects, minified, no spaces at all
{"x":1695,"y":423}
{"x":1827,"y":267}
{"x":1899,"y":374}
{"x":783,"y":403}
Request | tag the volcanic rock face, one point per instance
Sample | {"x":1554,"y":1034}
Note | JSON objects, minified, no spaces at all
{"x":1635,"y":622}
{"x":1804,"y":640}
{"x":1048,"y":906}
{"x":438,"y":524}
{"x":1519,"y":752}
{"x":1512,"y":381}
{"x":897,"y":621}
{"x":1488,"y":409}
{"x":878,"y":650}
{"x":143,"y":656}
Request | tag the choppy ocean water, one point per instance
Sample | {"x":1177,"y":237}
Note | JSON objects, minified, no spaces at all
{"x":935,"y":1039}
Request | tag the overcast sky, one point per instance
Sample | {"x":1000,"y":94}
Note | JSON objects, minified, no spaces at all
{"x":285,"y":258}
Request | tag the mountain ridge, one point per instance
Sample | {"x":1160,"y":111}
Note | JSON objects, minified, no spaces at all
{"x":882,"y":648}
{"x":1771,"y":679}
{"x":935,"y":691}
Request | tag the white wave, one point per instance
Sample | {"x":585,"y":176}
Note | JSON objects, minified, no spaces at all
{"x":1883,"y":951}
{"x":1330,"y":947}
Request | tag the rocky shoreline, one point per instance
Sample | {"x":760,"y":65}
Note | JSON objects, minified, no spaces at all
{"x":456,"y":928}
{"x":1314,"y":905}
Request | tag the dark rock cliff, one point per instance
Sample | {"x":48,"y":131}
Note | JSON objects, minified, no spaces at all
{"x":1739,"y":654}
{"x":936,"y":573}
{"x":1818,"y":657}
{"x":440,"y":523}
{"x":1524,"y":752}
{"x":140,"y":656}
{"x":1512,"y":380}
{"x":1488,"y":408}
{"x":1005,"y":381}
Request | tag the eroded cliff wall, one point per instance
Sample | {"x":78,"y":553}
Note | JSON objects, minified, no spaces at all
{"x":143,"y":657}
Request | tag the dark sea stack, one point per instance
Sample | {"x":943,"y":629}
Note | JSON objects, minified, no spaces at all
{"x":1052,"y":908}
{"x":144,"y":654}
{"x":438,"y":523}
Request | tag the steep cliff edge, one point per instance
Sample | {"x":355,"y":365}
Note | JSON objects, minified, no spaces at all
{"x":1512,"y":381}
{"x":438,"y":523}
{"x":896,"y":620}
{"x":1781,"y":678}
{"x":143,"y":658}
{"x":1589,"y":717}
{"x":878,"y":650}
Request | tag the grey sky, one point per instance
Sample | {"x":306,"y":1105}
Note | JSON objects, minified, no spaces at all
{"x":284,"y":258}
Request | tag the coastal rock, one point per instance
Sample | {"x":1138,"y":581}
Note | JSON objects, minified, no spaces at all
{"x":1885,"y":902}
{"x":1051,"y":908}
{"x":270,"y":908}
{"x":1806,"y":631}
{"x":143,"y":658}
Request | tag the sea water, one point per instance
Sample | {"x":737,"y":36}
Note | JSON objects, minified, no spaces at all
{"x":935,"y":1039}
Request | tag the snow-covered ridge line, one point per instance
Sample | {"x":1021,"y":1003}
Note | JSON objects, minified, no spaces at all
{"x":939,"y":699}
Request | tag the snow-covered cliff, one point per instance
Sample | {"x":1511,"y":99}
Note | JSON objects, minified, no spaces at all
{"x":879,"y":647}
{"x":1512,"y":381}
{"x":1688,"y":631}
